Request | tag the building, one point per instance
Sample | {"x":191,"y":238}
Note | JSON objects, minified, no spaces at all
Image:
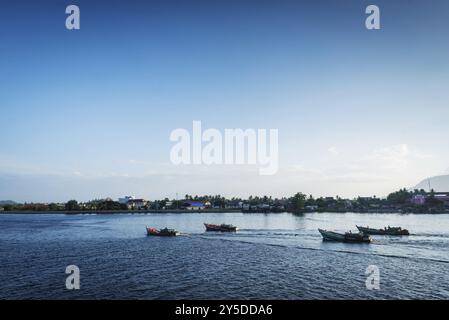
{"x":133,"y":203}
{"x":234,"y":205}
{"x":442,"y":196}
{"x":125,"y":199}
{"x":311,"y":208}
{"x":193,"y":205}
{"x":136,"y":204}
{"x":264,"y":206}
{"x":419,"y":199}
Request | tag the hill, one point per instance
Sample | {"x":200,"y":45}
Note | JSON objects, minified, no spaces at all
{"x":7,"y":202}
{"x":437,"y":183}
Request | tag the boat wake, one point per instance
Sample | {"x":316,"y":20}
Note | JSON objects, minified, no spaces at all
{"x":246,"y":239}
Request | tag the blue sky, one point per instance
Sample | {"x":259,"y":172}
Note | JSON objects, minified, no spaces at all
{"x":88,"y":113}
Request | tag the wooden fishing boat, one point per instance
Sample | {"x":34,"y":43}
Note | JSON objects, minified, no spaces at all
{"x":391,"y":231}
{"x":344,"y":237}
{"x":220,"y":227}
{"x":162,"y":232}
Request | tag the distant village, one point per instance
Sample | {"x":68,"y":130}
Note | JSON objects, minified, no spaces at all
{"x":402,"y":201}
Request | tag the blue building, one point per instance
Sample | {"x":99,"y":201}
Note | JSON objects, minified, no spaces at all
{"x":193,"y":205}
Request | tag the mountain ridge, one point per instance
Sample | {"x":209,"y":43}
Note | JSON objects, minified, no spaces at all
{"x":437,"y":183}
{"x":7,"y":202}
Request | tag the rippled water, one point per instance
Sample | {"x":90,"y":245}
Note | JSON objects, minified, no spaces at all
{"x":273,"y":256}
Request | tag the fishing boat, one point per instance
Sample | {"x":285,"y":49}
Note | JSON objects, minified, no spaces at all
{"x":162,"y":232}
{"x":220,"y":227}
{"x":344,"y":237}
{"x":391,"y":231}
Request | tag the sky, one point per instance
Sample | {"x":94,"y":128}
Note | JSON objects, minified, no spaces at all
{"x":88,"y":113}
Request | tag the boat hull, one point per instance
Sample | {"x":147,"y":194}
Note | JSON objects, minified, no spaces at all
{"x":354,"y":238}
{"x":220,"y":228}
{"x":160,"y":233}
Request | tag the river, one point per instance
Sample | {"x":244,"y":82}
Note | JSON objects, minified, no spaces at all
{"x":272,"y":256}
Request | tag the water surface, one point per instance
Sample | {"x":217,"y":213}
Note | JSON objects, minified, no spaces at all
{"x":273,"y":256}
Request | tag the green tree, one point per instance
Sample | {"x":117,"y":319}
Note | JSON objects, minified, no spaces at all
{"x":8,"y":207}
{"x":72,"y":205}
{"x":53,"y":207}
{"x":298,"y":201}
{"x":399,"y":197}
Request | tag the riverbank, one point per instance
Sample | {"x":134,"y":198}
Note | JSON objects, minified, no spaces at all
{"x":401,"y":202}
{"x":120,"y":211}
{"x":81,"y":212}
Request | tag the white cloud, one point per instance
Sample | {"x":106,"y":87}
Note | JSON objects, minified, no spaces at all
{"x":333,"y":150}
{"x":377,"y":171}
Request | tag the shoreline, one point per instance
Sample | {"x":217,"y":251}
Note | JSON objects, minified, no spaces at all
{"x":77,"y":212}
{"x":111,"y":212}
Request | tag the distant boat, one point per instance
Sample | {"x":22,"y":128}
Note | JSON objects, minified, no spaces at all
{"x":344,"y":237}
{"x":220,"y":227}
{"x":391,"y":231}
{"x":162,"y":232}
